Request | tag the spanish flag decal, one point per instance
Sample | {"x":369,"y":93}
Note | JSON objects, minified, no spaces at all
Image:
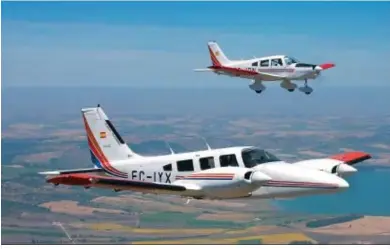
{"x":103,"y":134}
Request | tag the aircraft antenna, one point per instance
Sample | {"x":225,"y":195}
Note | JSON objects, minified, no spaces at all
{"x":208,"y":146}
{"x":64,"y":230}
{"x":170,"y":148}
{"x":100,"y":116}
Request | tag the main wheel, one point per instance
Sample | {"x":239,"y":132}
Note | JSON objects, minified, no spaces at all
{"x":291,"y":90}
{"x":258,"y":91}
{"x":307,"y":93}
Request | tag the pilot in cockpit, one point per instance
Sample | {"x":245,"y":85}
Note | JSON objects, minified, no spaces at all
{"x":289,"y":60}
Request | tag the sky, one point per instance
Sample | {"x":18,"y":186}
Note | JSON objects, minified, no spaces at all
{"x":155,"y":44}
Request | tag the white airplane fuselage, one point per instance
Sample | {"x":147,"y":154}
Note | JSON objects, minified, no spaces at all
{"x":224,"y":173}
{"x":282,"y":68}
{"x":288,"y":180}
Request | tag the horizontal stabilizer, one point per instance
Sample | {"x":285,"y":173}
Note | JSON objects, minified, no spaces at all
{"x":72,"y":171}
{"x":203,"y":70}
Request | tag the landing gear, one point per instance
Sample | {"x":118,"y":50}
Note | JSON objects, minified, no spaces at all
{"x":257,"y":86}
{"x":56,"y":184}
{"x":288,"y":85}
{"x":306,"y":89}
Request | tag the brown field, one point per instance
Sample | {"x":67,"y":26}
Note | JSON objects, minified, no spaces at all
{"x":168,"y":231}
{"x":369,"y":225}
{"x":72,"y":207}
{"x":283,"y":238}
{"x":146,"y":204}
{"x":39,"y":157}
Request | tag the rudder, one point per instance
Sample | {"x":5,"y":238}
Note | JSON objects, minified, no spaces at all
{"x":105,"y":143}
{"x":218,"y":58}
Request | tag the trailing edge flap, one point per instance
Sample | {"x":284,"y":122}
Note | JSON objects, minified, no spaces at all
{"x":352,"y":157}
{"x":129,"y":184}
{"x":72,"y":171}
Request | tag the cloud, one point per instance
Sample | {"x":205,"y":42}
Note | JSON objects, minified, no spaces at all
{"x":54,"y":54}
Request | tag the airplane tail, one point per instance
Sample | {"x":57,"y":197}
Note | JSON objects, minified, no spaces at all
{"x":218,"y":58}
{"x":105,"y":143}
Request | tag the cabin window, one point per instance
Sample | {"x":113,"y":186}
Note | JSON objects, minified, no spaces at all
{"x":228,"y":160}
{"x":206,"y":163}
{"x":255,"y":64}
{"x":277,"y":62}
{"x":167,"y":167}
{"x":264,"y":63}
{"x":185,"y":165}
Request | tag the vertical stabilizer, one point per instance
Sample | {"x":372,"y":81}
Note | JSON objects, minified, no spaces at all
{"x":218,"y":58}
{"x":105,"y":143}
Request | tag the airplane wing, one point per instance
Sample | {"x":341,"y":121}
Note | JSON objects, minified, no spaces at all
{"x":72,"y":171}
{"x":239,"y":72}
{"x":339,"y":163}
{"x":89,"y":180}
{"x":352,"y":157}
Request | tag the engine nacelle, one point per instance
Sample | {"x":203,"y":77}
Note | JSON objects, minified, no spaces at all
{"x":224,"y":183}
{"x":329,"y":165}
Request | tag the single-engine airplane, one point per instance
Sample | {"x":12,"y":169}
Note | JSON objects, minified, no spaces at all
{"x":224,"y":173}
{"x":270,"y":68}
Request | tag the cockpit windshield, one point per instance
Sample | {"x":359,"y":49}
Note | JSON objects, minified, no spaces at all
{"x":290,"y":60}
{"x":253,"y":157}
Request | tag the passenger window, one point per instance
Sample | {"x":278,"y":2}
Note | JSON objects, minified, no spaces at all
{"x":276,"y":62}
{"x":185,"y":165}
{"x":206,"y":163}
{"x":167,"y":167}
{"x":255,"y":64}
{"x":264,"y":63}
{"x":228,"y":160}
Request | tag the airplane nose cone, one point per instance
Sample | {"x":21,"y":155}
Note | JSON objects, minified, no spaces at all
{"x":259,"y":177}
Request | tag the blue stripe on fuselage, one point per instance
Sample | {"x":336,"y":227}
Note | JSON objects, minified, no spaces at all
{"x":95,"y":161}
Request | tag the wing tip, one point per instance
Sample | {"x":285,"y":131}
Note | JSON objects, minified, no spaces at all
{"x":352,"y":157}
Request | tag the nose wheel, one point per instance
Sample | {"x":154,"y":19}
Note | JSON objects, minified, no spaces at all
{"x":306,"y":89}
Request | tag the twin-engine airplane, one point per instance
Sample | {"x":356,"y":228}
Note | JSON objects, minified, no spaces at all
{"x":271,"y":68}
{"x":226,"y":173}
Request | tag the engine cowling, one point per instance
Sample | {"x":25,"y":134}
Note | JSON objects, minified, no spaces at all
{"x":331,"y":166}
{"x":226,"y":182}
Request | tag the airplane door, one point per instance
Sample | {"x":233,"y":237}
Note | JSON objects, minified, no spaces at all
{"x":277,"y":65}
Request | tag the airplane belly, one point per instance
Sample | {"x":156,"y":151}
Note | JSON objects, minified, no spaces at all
{"x":288,"y":192}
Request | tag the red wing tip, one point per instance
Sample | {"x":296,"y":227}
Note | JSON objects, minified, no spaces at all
{"x":352,"y":157}
{"x":327,"y":65}
{"x":71,"y":179}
